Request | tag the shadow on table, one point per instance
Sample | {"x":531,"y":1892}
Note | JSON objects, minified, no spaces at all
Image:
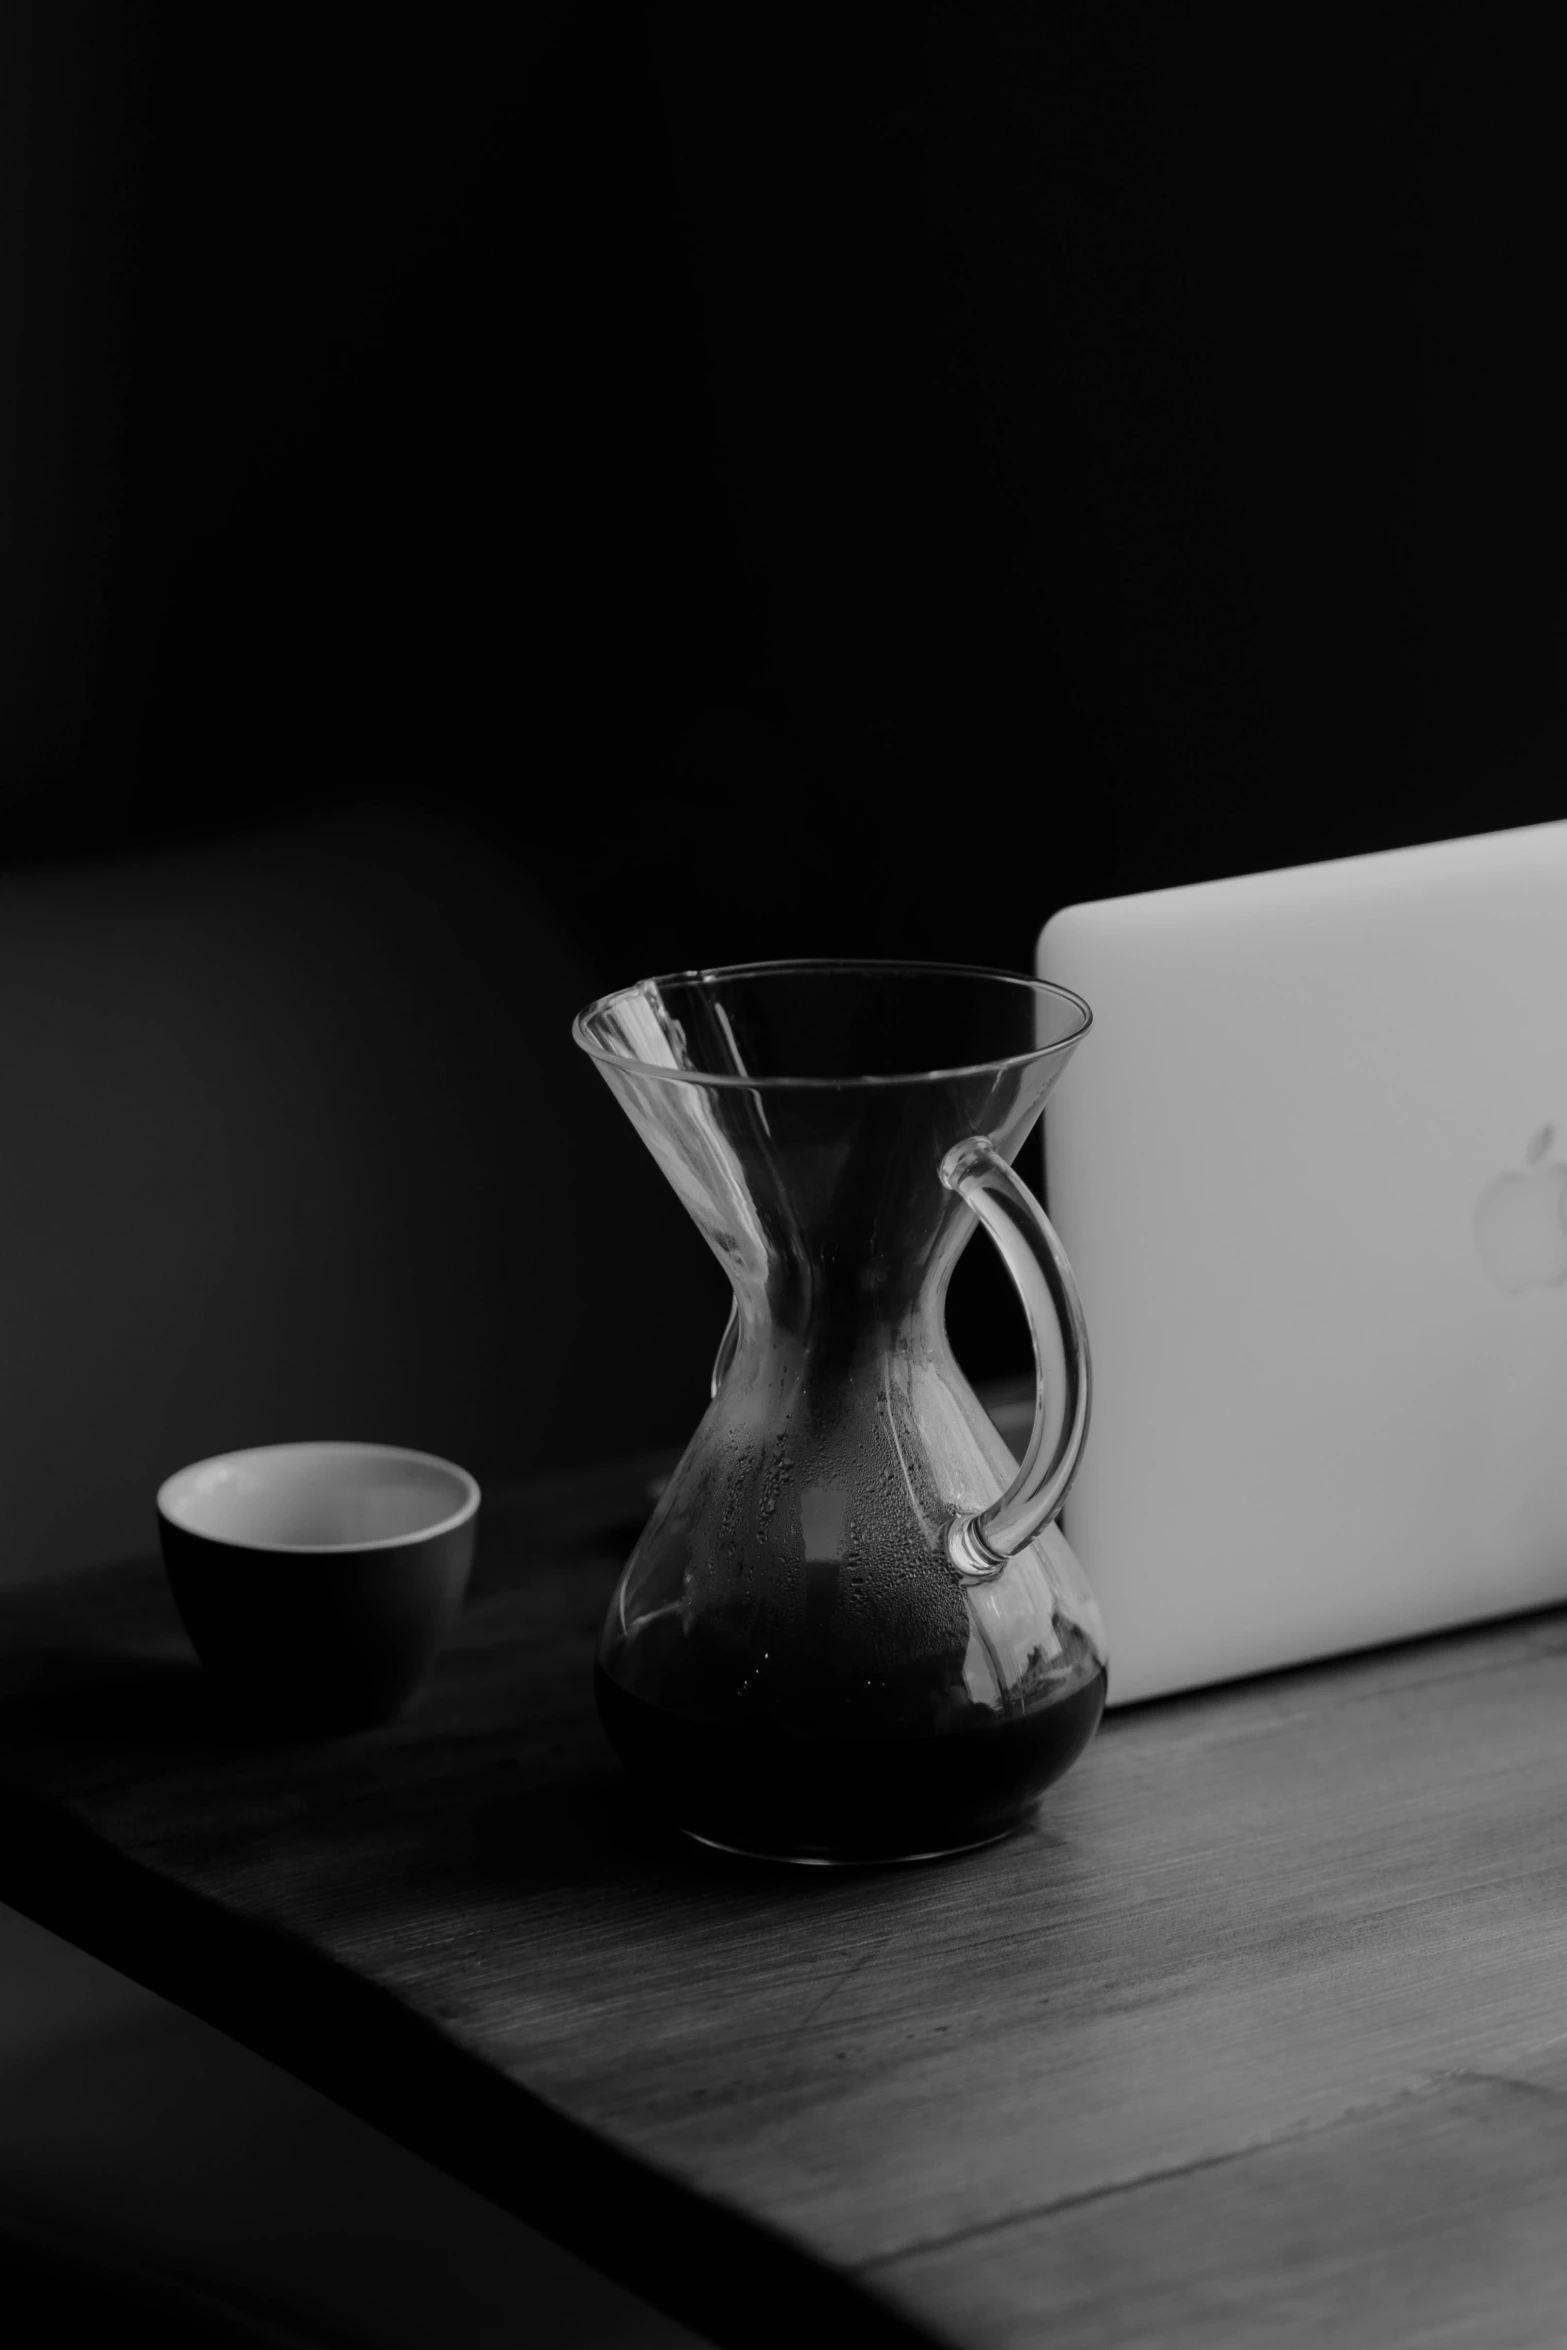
{"x":585,"y":1830}
{"x":529,"y":1806}
{"x":595,"y":1830}
{"x":147,"y":1712}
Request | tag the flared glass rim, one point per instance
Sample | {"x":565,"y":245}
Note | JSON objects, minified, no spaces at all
{"x":817,"y":966}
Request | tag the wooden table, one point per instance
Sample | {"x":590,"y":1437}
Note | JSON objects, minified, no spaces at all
{"x":1260,"y":2037}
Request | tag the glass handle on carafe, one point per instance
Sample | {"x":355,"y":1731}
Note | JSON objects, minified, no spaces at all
{"x":980,"y":1542}
{"x":726,"y":1347}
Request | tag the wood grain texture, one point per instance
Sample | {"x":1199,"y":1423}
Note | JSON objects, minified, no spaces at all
{"x":1261,"y":2032}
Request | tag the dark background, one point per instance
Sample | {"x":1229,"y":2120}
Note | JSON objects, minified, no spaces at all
{"x":793,"y":481}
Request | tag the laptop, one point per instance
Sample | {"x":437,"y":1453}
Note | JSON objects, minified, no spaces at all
{"x":1310,"y":1167}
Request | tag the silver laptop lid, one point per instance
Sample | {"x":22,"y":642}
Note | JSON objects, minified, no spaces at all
{"x":1310,"y":1169}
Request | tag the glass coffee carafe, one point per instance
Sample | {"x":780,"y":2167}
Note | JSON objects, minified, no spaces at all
{"x":851,"y":1630}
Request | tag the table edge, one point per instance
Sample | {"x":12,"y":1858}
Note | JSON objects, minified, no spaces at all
{"x":677,"y":2248}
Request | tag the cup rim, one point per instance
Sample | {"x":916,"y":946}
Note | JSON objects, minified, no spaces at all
{"x":320,"y":1444}
{"x":816,"y":965}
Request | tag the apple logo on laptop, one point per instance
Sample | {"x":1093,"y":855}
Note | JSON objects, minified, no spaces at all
{"x":1521,"y":1222}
